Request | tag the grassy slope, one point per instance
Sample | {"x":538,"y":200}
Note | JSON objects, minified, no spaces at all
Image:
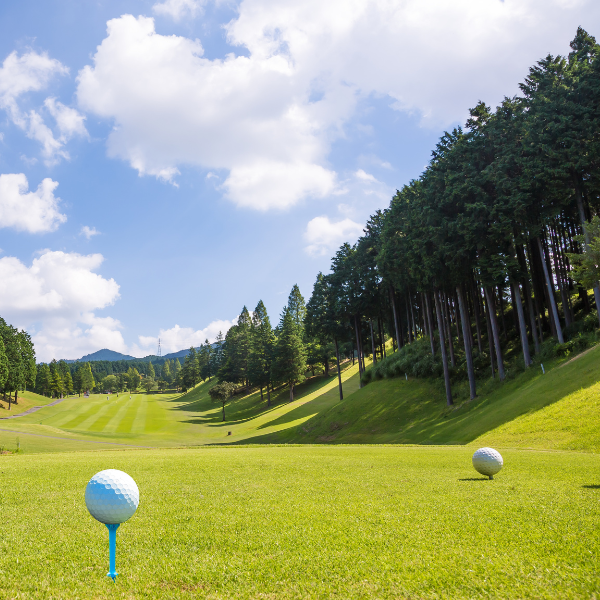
{"x":509,"y":414}
{"x":306,"y":522}
{"x":167,"y":419}
{"x":558,"y":410}
{"x":27,"y":400}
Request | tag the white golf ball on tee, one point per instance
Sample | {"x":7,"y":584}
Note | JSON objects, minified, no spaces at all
{"x":487,"y":461}
{"x":112,"y":496}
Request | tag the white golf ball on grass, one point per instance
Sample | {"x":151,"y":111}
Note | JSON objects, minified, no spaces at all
{"x":112,"y":496}
{"x":487,"y":461}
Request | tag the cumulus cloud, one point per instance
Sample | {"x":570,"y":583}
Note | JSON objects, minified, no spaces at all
{"x":177,"y":9}
{"x":55,"y":298}
{"x":269,"y":118}
{"x":34,"y":212}
{"x":88,"y":232}
{"x":171,"y":107}
{"x":178,"y":338}
{"x":324,"y":235}
{"x":32,"y":72}
{"x":69,"y":121}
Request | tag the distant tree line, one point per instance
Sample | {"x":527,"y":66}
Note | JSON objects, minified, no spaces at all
{"x":57,"y":378}
{"x":17,"y":362}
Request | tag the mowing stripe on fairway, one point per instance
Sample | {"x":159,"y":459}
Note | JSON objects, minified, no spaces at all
{"x":139,"y":423}
{"x":100,"y":412}
{"x":85,"y":411}
{"x":54,"y":437}
{"x":127,"y":420}
{"x":121,"y":406}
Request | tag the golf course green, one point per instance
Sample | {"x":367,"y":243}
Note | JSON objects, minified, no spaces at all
{"x":373,"y":496}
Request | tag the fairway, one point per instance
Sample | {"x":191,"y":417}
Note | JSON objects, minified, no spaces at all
{"x":306,"y":522}
{"x":169,"y":419}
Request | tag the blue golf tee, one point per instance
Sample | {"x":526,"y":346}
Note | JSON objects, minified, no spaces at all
{"x":112,"y":543}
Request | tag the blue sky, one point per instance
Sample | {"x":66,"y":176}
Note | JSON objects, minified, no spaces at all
{"x":164,"y":163}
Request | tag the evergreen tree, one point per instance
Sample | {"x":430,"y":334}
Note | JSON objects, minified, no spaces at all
{"x":56,"y":384}
{"x":3,"y":364}
{"x":151,"y":372}
{"x":87,"y":379}
{"x":290,"y":353}
{"x":133,"y":379}
{"x":44,"y":380}
{"x":297,"y":308}
{"x":261,"y":355}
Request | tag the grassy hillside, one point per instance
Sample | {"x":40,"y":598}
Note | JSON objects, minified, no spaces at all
{"x":27,"y":400}
{"x":560,"y":409}
{"x":306,"y":522}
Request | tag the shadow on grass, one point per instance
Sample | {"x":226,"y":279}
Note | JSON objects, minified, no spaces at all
{"x":475,"y":479}
{"x":593,"y":486}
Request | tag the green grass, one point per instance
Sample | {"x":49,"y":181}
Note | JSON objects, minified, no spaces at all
{"x":557,"y":410}
{"x":306,"y":522}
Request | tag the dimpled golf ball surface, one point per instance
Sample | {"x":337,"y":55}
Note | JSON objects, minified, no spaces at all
{"x":112,"y":496}
{"x":487,"y":461}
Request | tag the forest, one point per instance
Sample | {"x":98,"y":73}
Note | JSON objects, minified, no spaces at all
{"x":483,"y":265}
{"x":491,"y":253}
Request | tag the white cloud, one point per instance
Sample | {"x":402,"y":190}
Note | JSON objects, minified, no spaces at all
{"x":171,"y":107}
{"x":269,"y":118}
{"x":177,"y":9}
{"x":178,"y":338}
{"x":323,"y":235}
{"x":56,"y":298}
{"x":88,"y":232}
{"x":32,"y":72}
{"x":69,"y":121}
{"x":364,"y":176}
{"x":34,"y":212}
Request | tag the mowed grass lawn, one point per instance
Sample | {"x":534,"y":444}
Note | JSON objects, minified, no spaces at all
{"x":306,"y":522}
{"x":170,"y":419}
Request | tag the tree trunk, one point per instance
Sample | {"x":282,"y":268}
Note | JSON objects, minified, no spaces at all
{"x":261,"y":394}
{"x":381,"y":338}
{"x":581,"y":211}
{"x":408,"y":325}
{"x":291,"y":392}
{"x":326,"y":367}
{"x":476,"y":306}
{"x":489,"y":296}
{"x":440,"y":322}
{"x":551,"y":294}
{"x":412,"y":316}
{"x":360,"y":371}
{"x":373,"y":348}
{"x":398,"y":340}
{"x":429,"y":323}
{"x":527,"y":292}
{"x":16,"y":397}
{"x":458,"y":317}
{"x":9,"y":401}
{"x":223,"y":411}
{"x":467,"y":342}
{"x":268,"y":395}
{"x":501,"y":300}
{"x":337,"y":359}
{"x":446,"y":314}
{"x":522,"y":326}
{"x":490,"y":338}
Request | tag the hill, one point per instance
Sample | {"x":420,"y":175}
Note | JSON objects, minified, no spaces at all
{"x":104,"y":354}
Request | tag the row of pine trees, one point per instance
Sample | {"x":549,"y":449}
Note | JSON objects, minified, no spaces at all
{"x":253,"y":354}
{"x":496,"y":244}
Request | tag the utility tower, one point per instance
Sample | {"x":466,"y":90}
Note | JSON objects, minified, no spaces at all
{"x":159,"y":351}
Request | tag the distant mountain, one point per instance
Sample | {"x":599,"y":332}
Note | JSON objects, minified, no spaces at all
{"x":104,"y":354}
{"x":111,"y":355}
